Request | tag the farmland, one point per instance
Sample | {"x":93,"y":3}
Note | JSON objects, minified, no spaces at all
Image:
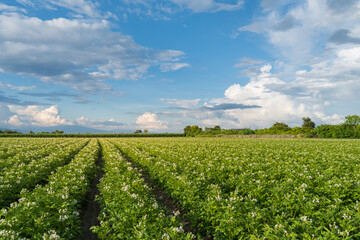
{"x":214,"y":188}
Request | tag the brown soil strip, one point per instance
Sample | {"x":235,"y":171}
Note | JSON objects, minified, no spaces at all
{"x":91,"y":209}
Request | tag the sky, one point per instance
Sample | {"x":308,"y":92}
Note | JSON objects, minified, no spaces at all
{"x":118,"y":66}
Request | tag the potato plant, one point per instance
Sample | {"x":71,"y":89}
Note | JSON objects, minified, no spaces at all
{"x":129,"y":208}
{"x":32,"y":152}
{"x":255,"y":188}
{"x":52,"y":211}
{"x":27,"y":176}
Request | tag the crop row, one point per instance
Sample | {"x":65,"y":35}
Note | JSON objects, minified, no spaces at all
{"x":24,"y":156}
{"x":129,"y":208}
{"x":14,"y":147}
{"x":27,"y":176}
{"x":52,"y":211}
{"x":277,"y":189}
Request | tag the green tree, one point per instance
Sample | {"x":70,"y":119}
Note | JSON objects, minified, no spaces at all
{"x":217,"y":128}
{"x":192,"y":130}
{"x":138,"y":131}
{"x":352,"y":120}
{"x":307,"y":123}
{"x":187,"y":129}
{"x":145,"y":131}
{"x":279,"y":128}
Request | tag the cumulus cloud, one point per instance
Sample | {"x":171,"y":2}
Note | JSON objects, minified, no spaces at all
{"x":150,"y":121}
{"x":110,"y":124}
{"x":286,"y":101}
{"x":298,"y":29}
{"x":15,"y":121}
{"x":37,"y":116}
{"x":317,"y":71}
{"x":78,"y":53}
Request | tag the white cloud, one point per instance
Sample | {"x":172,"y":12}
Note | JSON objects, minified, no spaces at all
{"x":181,"y":102}
{"x":299,"y":30}
{"x":277,"y":100}
{"x":80,"y":6}
{"x":35,"y":115}
{"x":150,"y":121}
{"x":208,"y":5}
{"x":15,"y":121}
{"x":7,"y":8}
{"x":164,"y":10}
{"x":317,"y":71}
{"x":77,"y":53}
{"x":246,"y":62}
{"x":110,"y":124}
{"x":166,"y":67}
{"x":13,"y":87}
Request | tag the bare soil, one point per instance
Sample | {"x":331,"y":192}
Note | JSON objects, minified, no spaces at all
{"x":91,"y":209}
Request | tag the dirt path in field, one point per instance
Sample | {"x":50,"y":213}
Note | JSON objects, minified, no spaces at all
{"x":91,"y":209}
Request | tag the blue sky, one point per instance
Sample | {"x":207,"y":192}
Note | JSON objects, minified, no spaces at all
{"x":161,"y":65}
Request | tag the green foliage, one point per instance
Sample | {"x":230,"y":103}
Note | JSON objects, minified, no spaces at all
{"x":248,"y":131}
{"x":251,"y":189}
{"x":33,"y":171}
{"x":52,"y":211}
{"x":229,"y":188}
{"x":9,"y":132}
{"x":307,"y":123}
{"x":280,"y":126}
{"x":129,"y":209}
{"x":192,"y":131}
{"x":352,"y":120}
{"x":337,"y":131}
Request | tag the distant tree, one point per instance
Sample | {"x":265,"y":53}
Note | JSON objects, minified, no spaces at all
{"x":31,"y":132}
{"x":280,"y":125}
{"x":138,"y":131}
{"x":217,"y":128}
{"x":307,"y":123}
{"x":195,"y":130}
{"x":248,"y":131}
{"x":192,"y":130}
{"x":145,"y":131}
{"x":187,"y":129}
{"x":352,"y":120}
{"x":9,"y":131}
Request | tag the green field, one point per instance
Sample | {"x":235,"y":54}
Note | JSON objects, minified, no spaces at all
{"x":218,"y":188}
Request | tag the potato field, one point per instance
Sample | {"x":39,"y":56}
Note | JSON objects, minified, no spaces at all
{"x":180,"y":188}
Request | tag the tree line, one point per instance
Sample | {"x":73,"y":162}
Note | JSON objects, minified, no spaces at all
{"x":349,"y":129}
